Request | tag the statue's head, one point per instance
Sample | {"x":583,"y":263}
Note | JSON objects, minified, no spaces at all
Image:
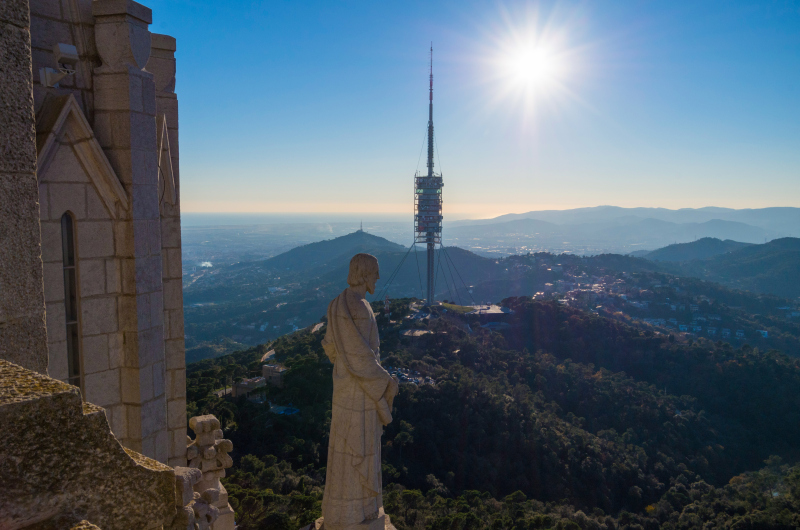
{"x":363,"y":271}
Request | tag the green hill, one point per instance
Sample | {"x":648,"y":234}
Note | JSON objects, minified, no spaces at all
{"x":566,"y":420}
{"x":331,"y":252}
{"x":772,"y":268}
{"x":255,"y":301}
{"x":701,"y":249}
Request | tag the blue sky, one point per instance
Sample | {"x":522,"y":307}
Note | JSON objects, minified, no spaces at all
{"x":306,"y":106}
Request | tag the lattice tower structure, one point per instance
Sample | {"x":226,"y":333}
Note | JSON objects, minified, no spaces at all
{"x":428,"y":202}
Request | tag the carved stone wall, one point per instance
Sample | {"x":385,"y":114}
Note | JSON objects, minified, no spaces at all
{"x":162,"y":66}
{"x":125,"y":123}
{"x":100,"y":156}
{"x":60,"y":463}
{"x":23,"y":337}
{"x":63,"y":468}
{"x":107,"y":147}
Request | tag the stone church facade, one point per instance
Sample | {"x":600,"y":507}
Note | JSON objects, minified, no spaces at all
{"x":107,"y":168}
{"x":90,"y":279}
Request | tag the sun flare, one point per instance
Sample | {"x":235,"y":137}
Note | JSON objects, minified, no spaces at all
{"x":531,"y":67}
{"x":534,"y":62}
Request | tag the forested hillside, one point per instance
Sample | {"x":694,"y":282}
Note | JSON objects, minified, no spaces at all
{"x":252,"y":302}
{"x":773,"y":268}
{"x":565,"y":420}
{"x":703,"y":248}
{"x":330,"y":251}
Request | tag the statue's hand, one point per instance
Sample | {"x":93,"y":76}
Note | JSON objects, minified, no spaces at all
{"x":392,"y":389}
{"x":384,"y":412}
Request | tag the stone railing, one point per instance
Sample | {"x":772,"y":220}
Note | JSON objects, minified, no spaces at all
{"x":208,"y":458}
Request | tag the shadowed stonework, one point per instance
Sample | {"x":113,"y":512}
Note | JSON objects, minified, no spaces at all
{"x":90,"y":279}
{"x":106,"y":158}
{"x":23,"y":337}
{"x":61,"y":462}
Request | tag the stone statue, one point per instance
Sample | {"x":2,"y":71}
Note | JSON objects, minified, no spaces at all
{"x":362,"y":402}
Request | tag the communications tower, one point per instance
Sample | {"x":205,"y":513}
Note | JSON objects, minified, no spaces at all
{"x":428,"y":201}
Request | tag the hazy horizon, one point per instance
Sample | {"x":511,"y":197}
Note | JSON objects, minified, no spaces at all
{"x":196,"y":219}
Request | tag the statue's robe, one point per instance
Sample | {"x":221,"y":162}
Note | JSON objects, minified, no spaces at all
{"x":361,"y":387}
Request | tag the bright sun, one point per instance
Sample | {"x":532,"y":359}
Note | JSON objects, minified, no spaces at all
{"x":532,"y":63}
{"x":531,"y":68}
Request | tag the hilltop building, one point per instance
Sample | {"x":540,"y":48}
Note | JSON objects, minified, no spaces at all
{"x":273,"y":374}
{"x":246,"y":386}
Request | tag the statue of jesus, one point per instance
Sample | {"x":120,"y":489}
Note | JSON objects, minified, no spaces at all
{"x":362,"y":402}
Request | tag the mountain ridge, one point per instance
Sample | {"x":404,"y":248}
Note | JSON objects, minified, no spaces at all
{"x":705,"y":247}
{"x":767,"y":218}
{"x":316,"y":254}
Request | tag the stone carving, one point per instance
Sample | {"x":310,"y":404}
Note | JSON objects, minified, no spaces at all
{"x":362,"y":402}
{"x":196,"y":511}
{"x":123,"y":40}
{"x":208,"y":454}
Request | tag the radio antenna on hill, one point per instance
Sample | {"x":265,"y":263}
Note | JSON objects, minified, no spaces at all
{"x":428,"y":201}
{"x":428,"y":219}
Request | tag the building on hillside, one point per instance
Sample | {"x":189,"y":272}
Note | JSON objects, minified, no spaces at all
{"x":246,"y":386}
{"x":273,"y":374}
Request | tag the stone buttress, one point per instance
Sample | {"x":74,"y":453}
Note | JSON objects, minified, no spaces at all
{"x":85,"y":261}
{"x":107,"y":154}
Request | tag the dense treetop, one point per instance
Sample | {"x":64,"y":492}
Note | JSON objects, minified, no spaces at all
{"x":567,"y":418}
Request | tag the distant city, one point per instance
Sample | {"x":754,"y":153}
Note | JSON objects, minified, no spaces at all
{"x":213,"y":239}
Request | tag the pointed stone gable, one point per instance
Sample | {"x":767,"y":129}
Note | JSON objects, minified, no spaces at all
{"x":62,"y":118}
{"x":165,"y":175}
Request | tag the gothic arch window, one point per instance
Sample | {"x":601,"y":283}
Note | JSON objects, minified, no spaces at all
{"x":71,"y":301}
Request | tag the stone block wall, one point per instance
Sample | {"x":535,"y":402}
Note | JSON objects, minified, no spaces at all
{"x":63,"y":468}
{"x":71,"y":180}
{"x":23,"y":337}
{"x":108,"y":175}
{"x":92,"y":149}
{"x":125,"y":124}
{"x":162,"y":65}
{"x":68,"y":22}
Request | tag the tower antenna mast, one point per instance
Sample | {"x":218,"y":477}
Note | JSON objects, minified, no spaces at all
{"x":428,"y":200}
{"x":430,"y":121}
